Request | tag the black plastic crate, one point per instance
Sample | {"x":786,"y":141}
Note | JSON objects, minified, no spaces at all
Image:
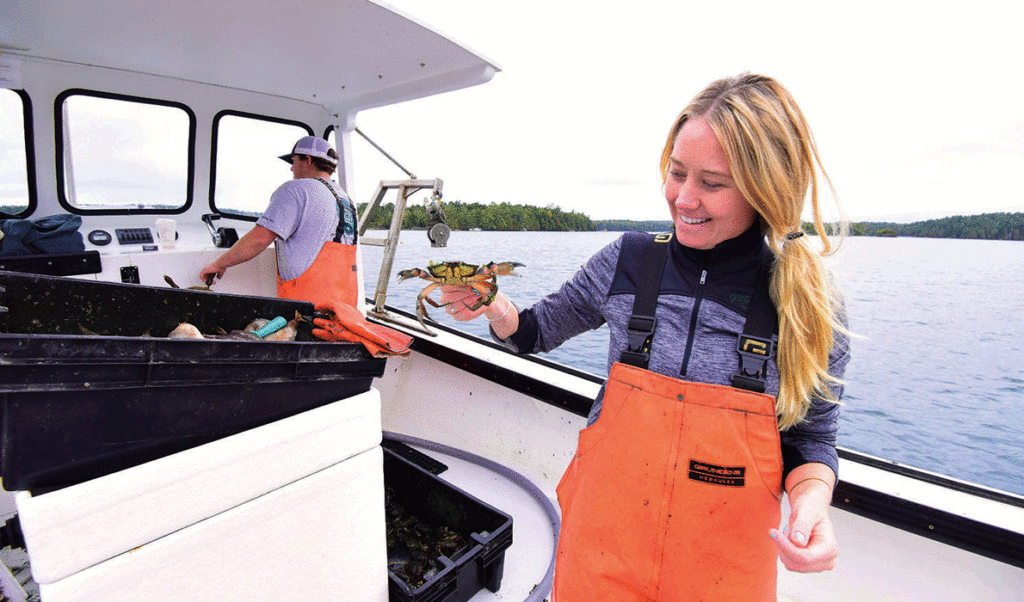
{"x":90,"y":363}
{"x":76,"y":406}
{"x":38,"y":304}
{"x":432,"y":500}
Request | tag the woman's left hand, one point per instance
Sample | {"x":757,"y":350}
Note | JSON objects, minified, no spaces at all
{"x":808,"y":544}
{"x":457,"y":301}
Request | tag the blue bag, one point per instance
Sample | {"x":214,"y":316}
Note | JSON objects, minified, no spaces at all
{"x":46,"y":235}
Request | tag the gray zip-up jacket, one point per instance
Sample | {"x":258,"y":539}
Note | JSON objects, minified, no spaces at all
{"x":702,"y":307}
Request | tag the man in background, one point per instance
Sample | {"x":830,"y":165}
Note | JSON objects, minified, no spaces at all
{"x":313,"y":223}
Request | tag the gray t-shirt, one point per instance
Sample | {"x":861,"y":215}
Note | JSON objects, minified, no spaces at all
{"x":304,"y":215}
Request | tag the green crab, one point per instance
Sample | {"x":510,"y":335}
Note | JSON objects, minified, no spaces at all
{"x":482,"y":278}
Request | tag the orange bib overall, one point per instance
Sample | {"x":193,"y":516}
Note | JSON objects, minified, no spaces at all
{"x":332,"y":277}
{"x":671,"y":495}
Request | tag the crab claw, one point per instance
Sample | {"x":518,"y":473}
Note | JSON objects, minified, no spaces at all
{"x":413,"y":273}
{"x":487,"y":295}
{"x":505,"y":268}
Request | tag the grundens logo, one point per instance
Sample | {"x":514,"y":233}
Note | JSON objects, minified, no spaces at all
{"x":753,"y":346}
{"x":727,"y":476}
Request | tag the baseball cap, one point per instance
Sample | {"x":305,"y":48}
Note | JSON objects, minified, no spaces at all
{"x":312,"y":146}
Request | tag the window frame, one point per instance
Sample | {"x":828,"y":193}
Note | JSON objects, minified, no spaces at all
{"x":214,"y":139}
{"x":30,"y":153}
{"x":58,"y":120}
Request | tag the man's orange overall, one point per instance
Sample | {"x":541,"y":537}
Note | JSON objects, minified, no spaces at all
{"x":334,"y":275}
{"x":671,"y":495}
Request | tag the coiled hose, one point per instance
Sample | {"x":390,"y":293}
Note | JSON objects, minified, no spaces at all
{"x":544,"y":587}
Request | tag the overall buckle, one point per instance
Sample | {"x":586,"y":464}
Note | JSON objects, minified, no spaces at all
{"x":639,"y":332}
{"x":754,"y":354}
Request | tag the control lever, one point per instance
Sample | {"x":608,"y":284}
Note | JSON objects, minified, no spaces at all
{"x":222,"y":237}
{"x":217,"y":238}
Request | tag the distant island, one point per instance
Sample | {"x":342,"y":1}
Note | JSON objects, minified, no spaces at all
{"x":507,"y":217}
{"x":987,"y":226}
{"x":477,"y":216}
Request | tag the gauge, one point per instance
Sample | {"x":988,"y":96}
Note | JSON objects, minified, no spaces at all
{"x":100,"y":237}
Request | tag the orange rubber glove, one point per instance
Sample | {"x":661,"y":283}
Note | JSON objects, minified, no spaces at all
{"x":349,"y":325}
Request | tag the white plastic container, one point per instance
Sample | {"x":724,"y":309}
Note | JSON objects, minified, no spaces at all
{"x":166,"y":233}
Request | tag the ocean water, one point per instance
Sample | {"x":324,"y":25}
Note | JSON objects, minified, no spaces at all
{"x":936,"y":378}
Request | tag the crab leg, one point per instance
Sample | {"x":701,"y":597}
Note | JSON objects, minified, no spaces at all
{"x":421,"y":310}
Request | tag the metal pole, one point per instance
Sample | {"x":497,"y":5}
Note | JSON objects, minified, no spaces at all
{"x":389,"y":250}
{"x":385,"y":153}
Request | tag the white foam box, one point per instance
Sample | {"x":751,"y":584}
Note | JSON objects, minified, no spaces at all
{"x":216,"y":506}
{"x":319,"y":539}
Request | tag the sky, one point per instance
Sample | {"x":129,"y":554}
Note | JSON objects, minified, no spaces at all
{"x":916,"y":107}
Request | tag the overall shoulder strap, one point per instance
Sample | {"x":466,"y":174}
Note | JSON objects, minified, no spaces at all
{"x":640,"y":330}
{"x":754,"y":344}
{"x":344,"y":209}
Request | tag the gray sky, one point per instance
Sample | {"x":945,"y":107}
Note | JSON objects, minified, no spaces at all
{"x":916,"y":106}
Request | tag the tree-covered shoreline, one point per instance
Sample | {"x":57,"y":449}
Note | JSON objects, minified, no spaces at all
{"x":507,"y":217}
{"x":987,"y":226}
{"x":477,"y":216}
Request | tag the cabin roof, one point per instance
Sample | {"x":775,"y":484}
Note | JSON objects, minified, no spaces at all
{"x":343,"y":54}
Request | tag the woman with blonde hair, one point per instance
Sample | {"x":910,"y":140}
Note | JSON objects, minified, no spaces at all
{"x":727,"y":346}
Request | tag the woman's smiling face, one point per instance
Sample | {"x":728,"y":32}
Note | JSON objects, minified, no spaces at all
{"x":707,"y":207}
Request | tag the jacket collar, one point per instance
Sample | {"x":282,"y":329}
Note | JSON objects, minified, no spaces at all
{"x":737,"y":253}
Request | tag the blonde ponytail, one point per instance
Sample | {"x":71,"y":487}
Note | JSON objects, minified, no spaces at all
{"x":810,"y":314}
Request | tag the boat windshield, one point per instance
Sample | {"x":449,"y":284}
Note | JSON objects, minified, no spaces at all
{"x":247,"y":168}
{"x":123,"y":153}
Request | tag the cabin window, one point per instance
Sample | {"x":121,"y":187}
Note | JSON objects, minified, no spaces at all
{"x":14,"y":160}
{"x":120,"y":154}
{"x":247,"y":169}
